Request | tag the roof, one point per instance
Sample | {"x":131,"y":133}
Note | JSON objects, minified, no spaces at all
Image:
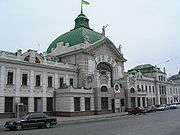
{"x":175,"y":77}
{"x":80,"y":34}
{"x":76,"y":36}
{"x":145,"y":68}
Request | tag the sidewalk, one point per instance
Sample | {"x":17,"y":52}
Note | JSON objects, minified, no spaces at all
{"x":80,"y":119}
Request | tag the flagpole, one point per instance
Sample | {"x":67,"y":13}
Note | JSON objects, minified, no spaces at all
{"x":81,"y":7}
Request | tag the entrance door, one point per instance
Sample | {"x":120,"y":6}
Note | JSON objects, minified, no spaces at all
{"x":133,"y":102}
{"x":112,"y":105}
{"x":38,"y":104}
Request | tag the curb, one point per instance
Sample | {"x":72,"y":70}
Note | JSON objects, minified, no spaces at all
{"x":89,"y":120}
{"x":86,"y":120}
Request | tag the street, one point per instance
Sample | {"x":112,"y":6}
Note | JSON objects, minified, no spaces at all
{"x":158,"y":123}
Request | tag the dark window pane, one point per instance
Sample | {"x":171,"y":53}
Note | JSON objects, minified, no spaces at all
{"x":104,"y":103}
{"x":87,"y":104}
{"x":104,"y":89}
{"x":49,"y":81}
{"x":61,"y":81}
{"x":77,"y":106}
{"x":50,"y":104}
{"x":122,"y":102}
{"x":38,"y":80}
{"x":71,"y":81}
{"x":8,"y":104}
{"x":10,"y":78}
{"x":24,"y":79}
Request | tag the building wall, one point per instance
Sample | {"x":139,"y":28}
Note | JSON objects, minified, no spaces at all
{"x":17,"y":90}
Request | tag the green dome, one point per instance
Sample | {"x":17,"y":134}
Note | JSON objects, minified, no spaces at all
{"x":80,"y":34}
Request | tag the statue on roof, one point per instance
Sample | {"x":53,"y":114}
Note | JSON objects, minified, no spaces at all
{"x":103,"y":29}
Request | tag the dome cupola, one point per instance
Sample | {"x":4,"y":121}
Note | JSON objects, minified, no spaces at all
{"x":81,"y":21}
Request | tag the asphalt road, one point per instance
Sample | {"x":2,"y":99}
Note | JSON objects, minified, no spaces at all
{"x":159,"y":123}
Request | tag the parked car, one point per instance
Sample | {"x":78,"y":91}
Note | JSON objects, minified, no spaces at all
{"x":162,"y":108}
{"x":136,"y":110}
{"x":178,"y":105}
{"x":151,"y":109}
{"x":173,"y":106}
{"x":31,"y":120}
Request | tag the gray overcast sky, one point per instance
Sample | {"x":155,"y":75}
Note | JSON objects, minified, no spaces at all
{"x":148,"y":30}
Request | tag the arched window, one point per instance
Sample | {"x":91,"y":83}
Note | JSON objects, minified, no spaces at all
{"x":37,"y":60}
{"x":26,"y":58}
{"x":104,"y":89}
{"x":132,"y":90}
{"x":103,"y":68}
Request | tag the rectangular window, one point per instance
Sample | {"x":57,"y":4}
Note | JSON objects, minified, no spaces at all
{"x":77,"y":106}
{"x":38,"y":80}
{"x":71,"y":82}
{"x":24,"y":79}
{"x":150,"y":89}
{"x":50,"y":104}
{"x":138,"y":88}
{"x":139,"y":101}
{"x":50,"y":81}
{"x":142,"y":87}
{"x":122,"y":102}
{"x":146,"y":88}
{"x":159,"y":89}
{"x":61,"y":81}
{"x":104,"y":103}
{"x":24,"y":100}
{"x":8,"y":104}
{"x":10,"y":78}
{"x":87,"y":104}
{"x":153,"y":89}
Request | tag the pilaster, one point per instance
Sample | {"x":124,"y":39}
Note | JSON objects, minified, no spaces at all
{"x":56,"y":81}
{"x":32,"y":83}
{"x":18,"y":84}
{"x":82,"y":102}
{"x":44,"y":84}
{"x":67,"y":79}
{"x":44,"y":104}
{"x":141,"y":102}
{"x":2,"y":81}
{"x":31,"y":104}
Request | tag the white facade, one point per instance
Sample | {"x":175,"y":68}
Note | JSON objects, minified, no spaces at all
{"x":13,"y":66}
{"x":151,"y":88}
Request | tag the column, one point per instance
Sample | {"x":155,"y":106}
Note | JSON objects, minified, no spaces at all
{"x":31,"y":94}
{"x":44,"y":84}
{"x":158,"y":96}
{"x":2,"y":85}
{"x":56,"y":81}
{"x":31,"y":104}
{"x":146,"y":101}
{"x":92,"y":103}
{"x":136,"y":101}
{"x":141,"y":102}
{"x":32,"y":83}
{"x":17,"y":85}
{"x":44,"y":104}
{"x":109,"y":103}
{"x":2,"y":81}
{"x":67,"y":79}
{"x":82,"y":102}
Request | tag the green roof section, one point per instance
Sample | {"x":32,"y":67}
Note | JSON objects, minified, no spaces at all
{"x":145,"y":68}
{"x":80,"y":34}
